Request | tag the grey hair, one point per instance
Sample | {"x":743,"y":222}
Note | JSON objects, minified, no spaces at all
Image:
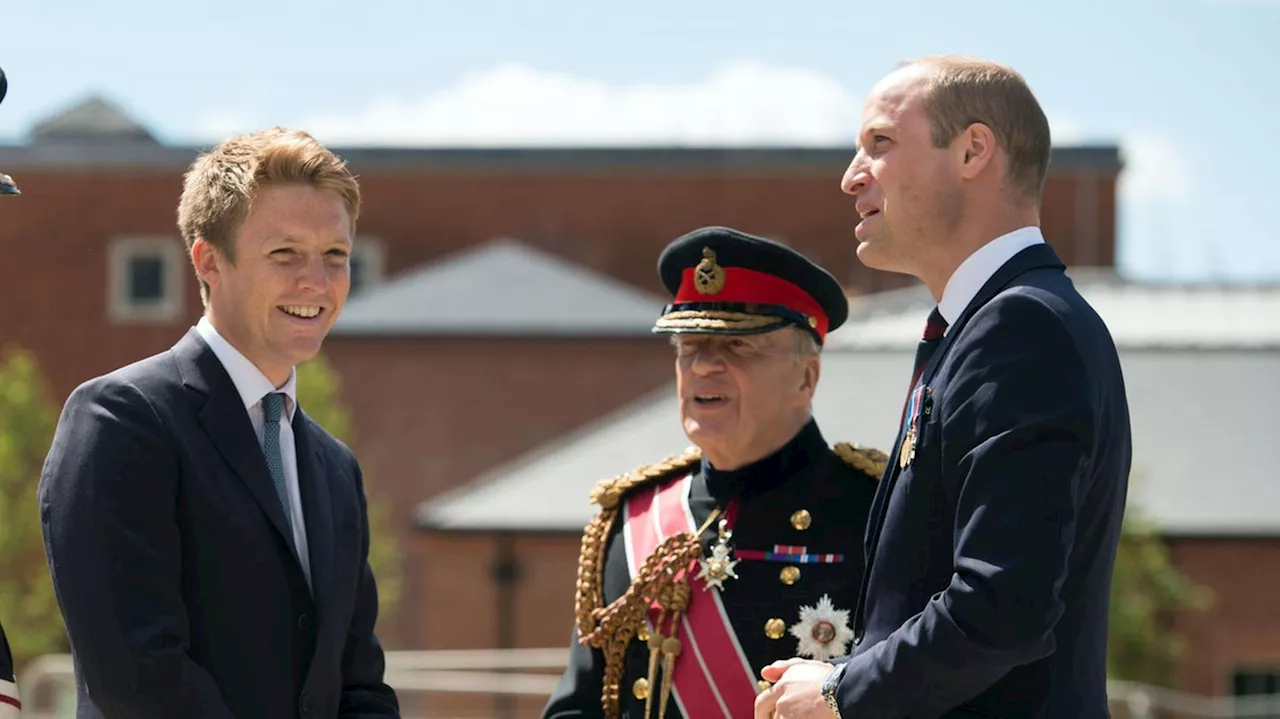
{"x":806,"y":345}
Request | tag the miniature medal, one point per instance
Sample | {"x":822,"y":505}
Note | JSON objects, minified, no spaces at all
{"x":908,"y":452}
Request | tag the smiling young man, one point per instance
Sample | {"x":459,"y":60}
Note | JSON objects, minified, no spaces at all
{"x":208,"y":541}
{"x":993,"y":538}
{"x":701,"y":570}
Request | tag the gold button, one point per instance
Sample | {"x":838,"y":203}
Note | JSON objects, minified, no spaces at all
{"x":764,"y":685}
{"x":813,"y":322}
{"x":643,"y":634}
{"x":641,"y":688}
{"x":775,"y":628}
{"x":801,"y":520}
{"x":789,"y":575}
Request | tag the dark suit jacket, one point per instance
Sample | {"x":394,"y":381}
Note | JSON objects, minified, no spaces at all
{"x":990,"y":556}
{"x":168,"y":549}
{"x":806,"y":474}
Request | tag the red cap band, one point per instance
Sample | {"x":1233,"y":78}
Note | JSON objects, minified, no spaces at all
{"x":751,"y":287}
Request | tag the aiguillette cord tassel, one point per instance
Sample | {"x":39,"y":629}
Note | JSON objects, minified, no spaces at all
{"x":655,"y":646}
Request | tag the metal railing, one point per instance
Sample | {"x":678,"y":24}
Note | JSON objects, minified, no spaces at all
{"x":47,"y":684}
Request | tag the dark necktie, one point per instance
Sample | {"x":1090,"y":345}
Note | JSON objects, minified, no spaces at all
{"x":272,"y":408}
{"x":934,"y":328}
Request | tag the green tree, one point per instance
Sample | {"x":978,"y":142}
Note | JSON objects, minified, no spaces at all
{"x":28,"y":607}
{"x":1148,"y":591}
{"x":319,"y":395}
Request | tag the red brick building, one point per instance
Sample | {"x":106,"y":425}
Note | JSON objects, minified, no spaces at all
{"x":96,"y":276}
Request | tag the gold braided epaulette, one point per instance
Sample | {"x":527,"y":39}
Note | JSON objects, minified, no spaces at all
{"x":610,"y":628}
{"x":867,"y":460}
{"x":609,"y":492}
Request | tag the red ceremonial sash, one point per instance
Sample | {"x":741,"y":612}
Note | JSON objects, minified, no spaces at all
{"x":712,"y":676}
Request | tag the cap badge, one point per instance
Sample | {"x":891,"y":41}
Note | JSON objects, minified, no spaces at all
{"x":708,"y":277}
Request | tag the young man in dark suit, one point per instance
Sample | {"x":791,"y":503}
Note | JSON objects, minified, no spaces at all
{"x":992,"y":538}
{"x":208,"y":541}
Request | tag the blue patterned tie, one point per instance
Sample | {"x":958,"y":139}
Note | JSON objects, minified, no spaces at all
{"x":272,"y":406}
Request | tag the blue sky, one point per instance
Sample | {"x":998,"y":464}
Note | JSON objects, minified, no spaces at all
{"x":1190,"y":89}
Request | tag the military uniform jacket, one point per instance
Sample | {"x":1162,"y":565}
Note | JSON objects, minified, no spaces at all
{"x":798,"y":518}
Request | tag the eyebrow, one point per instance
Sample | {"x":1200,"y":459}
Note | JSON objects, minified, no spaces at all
{"x":291,"y":240}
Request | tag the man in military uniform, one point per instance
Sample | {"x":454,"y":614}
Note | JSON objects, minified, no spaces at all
{"x":9,"y":704}
{"x":701,"y":570}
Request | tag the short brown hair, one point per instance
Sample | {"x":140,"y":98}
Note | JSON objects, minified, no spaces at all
{"x":221,"y":184}
{"x":963,"y":90}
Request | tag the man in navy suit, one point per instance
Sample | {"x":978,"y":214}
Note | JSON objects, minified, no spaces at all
{"x":993,"y":534}
{"x":208,"y":541}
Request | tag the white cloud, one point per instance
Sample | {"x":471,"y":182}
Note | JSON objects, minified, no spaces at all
{"x":741,"y":103}
{"x":1065,"y":130}
{"x":1154,"y":171}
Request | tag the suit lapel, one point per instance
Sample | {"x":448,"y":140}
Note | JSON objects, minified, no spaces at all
{"x":317,"y":506}
{"x":1034,"y":257}
{"x":225,"y":420}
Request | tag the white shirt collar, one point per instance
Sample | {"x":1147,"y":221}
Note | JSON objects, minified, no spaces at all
{"x":250,"y":382}
{"x":979,"y":267}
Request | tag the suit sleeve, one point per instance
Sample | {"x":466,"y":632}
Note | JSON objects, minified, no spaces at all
{"x":1017,"y":428}
{"x":577,"y":696}
{"x":364,"y":691}
{"x":108,"y":504}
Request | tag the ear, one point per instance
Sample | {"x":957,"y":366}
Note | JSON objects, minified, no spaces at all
{"x":812,"y":370}
{"x":207,"y":260}
{"x":977,"y":148}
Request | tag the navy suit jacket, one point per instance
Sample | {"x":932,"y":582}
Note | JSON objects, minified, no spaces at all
{"x":990,"y":556}
{"x":167,"y":544}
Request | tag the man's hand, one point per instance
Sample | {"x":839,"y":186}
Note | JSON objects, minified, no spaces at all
{"x":796,"y":693}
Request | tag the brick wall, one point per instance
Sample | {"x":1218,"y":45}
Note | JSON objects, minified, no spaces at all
{"x":1243,"y":627}
{"x":53,"y":282}
{"x":431,"y":414}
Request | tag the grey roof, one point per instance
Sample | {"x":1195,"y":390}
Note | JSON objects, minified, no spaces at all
{"x":504,"y":288}
{"x":99,"y":120}
{"x":102,"y":121}
{"x":1205,"y":458}
{"x":1138,"y":314}
{"x":95,"y":120}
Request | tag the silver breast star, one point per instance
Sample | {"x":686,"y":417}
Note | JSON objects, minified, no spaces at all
{"x":718,"y":567}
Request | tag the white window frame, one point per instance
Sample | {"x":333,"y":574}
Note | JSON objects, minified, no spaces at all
{"x":176,"y":268}
{"x":373,"y":256}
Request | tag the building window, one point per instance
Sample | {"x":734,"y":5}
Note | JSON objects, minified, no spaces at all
{"x":1258,"y":684}
{"x":368,"y":263}
{"x":146,"y":280}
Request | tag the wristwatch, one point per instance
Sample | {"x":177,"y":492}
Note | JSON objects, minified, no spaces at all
{"x":829,"y":688}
